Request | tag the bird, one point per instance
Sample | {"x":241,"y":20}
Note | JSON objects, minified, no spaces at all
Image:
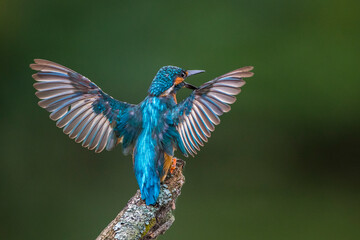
{"x":150,"y":131}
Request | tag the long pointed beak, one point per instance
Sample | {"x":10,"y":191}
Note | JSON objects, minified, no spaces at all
{"x":193,"y":72}
{"x":190,"y":86}
{"x":190,"y":73}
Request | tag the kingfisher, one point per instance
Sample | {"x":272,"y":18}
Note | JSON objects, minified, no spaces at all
{"x":152,"y":130}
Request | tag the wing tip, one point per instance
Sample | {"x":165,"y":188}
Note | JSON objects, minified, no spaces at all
{"x":35,"y":76}
{"x":249,"y":74}
{"x":33,"y":66}
{"x":41,"y":61}
{"x":243,"y":74}
{"x":246,"y":68}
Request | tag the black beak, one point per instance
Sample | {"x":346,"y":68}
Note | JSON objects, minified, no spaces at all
{"x":190,"y":86}
{"x":190,"y":73}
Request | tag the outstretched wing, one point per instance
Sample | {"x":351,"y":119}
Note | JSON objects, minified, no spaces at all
{"x":86,"y":113}
{"x":198,"y":114}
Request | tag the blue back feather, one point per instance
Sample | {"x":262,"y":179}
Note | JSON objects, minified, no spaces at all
{"x":156,"y":138}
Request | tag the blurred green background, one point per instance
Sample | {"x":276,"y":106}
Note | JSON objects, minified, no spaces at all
{"x":283,"y":164}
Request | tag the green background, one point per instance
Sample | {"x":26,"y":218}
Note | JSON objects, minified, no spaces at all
{"x":283,"y":164}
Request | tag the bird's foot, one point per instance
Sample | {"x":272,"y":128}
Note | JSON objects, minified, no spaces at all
{"x":173,"y":165}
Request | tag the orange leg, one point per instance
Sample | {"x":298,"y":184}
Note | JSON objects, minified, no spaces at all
{"x":169,"y":164}
{"x":173,"y":165}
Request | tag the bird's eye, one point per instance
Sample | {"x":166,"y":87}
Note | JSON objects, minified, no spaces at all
{"x":183,"y":75}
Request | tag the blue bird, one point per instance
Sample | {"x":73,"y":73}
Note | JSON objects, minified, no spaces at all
{"x":151,"y":130}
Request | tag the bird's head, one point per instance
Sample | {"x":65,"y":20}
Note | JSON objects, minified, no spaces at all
{"x":169,"y":79}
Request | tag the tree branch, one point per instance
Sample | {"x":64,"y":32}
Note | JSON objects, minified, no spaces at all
{"x":139,"y":221}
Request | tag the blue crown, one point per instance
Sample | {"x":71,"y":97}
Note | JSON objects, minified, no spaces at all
{"x":164,"y":79}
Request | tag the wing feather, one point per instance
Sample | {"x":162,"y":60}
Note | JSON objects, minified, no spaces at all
{"x":79,"y":106}
{"x":198,"y":114}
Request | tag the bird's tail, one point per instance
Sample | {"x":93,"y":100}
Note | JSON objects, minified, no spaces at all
{"x":150,"y":190}
{"x":149,"y":184}
{"x":147,"y":176}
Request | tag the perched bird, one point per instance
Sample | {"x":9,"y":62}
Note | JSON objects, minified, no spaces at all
{"x":151,"y":130}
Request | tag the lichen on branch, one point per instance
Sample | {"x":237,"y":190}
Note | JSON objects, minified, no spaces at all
{"x":140,"y":221}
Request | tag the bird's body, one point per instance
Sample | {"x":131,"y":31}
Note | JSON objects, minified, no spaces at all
{"x":152,"y":145}
{"x":152,"y":130}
